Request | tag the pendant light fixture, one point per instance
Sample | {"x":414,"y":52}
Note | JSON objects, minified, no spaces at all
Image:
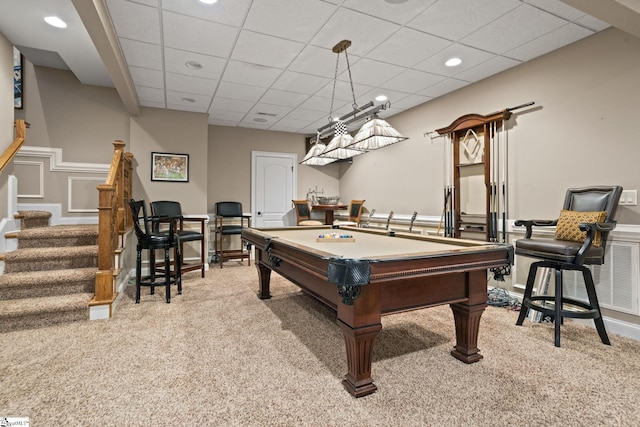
{"x":313,"y":156}
{"x":376,"y":133}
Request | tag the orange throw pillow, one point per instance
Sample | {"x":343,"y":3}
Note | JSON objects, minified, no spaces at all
{"x":568,"y":227}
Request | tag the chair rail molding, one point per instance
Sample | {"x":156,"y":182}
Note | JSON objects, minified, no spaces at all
{"x":57,"y":164}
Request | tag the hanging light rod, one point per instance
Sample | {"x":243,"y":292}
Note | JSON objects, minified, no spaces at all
{"x":365,"y":111}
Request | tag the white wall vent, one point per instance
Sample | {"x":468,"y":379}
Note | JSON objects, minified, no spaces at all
{"x":616,"y":280}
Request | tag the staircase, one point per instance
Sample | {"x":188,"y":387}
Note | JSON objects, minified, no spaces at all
{"x":50,"y":278}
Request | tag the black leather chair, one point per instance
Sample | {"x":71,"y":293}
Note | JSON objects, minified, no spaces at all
{"x":167,"y":210}
{"x":150,"y":240}
{"x":580,"y":240}
{"x":229,"y":222}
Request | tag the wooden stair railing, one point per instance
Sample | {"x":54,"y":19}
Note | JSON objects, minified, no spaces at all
{"x":113,"y":221}
{"x":20,"y":136}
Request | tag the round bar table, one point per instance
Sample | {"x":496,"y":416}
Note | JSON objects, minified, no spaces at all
{"x":328,"y":211}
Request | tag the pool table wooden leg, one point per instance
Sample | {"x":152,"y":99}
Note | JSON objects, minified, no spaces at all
{"x":467,"y":317}
{"x":264,"y":278}
{"x":359,"y":344}
{"x":467,"y":320}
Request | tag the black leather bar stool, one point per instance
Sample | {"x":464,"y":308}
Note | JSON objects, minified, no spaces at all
{"x":149,"y":240}
{"x":585,"y":221}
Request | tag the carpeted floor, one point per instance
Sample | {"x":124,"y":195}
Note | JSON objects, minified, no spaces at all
{"x":219,"y":356}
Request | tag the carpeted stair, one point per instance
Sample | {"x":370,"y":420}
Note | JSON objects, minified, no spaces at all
{"x":50,"y":278}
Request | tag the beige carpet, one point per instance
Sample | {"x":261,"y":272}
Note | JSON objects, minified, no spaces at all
{"x":219,"y":356}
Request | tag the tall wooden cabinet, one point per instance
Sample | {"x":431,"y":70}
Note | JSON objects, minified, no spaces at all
{"x":475,"y":177}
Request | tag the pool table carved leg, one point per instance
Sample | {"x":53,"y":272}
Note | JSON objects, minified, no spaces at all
{"x":264,"y":279}
{"x":359,"y":345}
{"x":467,"y":321}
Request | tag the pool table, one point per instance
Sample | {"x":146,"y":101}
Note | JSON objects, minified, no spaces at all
{"x":379,"y":273}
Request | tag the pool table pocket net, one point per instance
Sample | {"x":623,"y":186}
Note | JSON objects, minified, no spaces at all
{"x":349,"y":275}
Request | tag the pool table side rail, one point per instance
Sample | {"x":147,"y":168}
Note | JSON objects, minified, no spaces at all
{"x":384,"y":268}
{"x":297,"y":262}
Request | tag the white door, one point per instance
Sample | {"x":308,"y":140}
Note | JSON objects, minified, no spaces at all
{"x":273,"y":186}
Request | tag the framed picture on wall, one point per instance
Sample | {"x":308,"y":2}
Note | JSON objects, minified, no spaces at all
{"x":169,"y":167}
{"x":17,"y":78}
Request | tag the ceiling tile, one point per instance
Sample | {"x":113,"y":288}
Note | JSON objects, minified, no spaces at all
{"x":470,"y":58}
{"x":400,"y":49}
{"x":551,"y":41}
{"x":271,"y":112}
{"x":300,"y":83}
{"x":411,"y":81}
{"x":319,"y":61}
{"x":323,"y":104}
{"x":265,"y":50}
{"x":135,"y":21}
{"x":139,"y":54}
{"x":514,"y":29}
{"x":486,"y":69}
{"x":410,"y":101}
{"x":250,"y":74}
{"x":240,"y":91}
{"x":592,"y":23}
{"x":306,"y":115}
{"x":289,"y":19}
{"x":188,"y":100}
{"x":184,"y":32}
{"x":372,"y":73}
{"x":284,"y":98}
{"x":454,"y":19}
{"x":186,"y":107}
{"x":225,"y":12}
{"x":445,"y":86}
{"x":557,"y":8}
{"x":147,"y":77}
{"x":230,"y":123}
{"x":400,"y":13}
{"x":364,"y":31}
{"x":191,"y":84}
{"x":290,"y":124}
{"x":276,"y":55}
{"x":342,"y":91}
{"x":235,"y":105}
{"x":392,"y":95}
{"x":175,"y":61}
{"x":149,"y":94}
{"x":224,"y":114}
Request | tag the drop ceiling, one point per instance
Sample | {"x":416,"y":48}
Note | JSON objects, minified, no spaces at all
{"x":268,"y":64}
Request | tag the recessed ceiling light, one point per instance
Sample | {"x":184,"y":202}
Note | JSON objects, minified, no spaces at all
{"x":208,"y":1}
{"x":189,"y":100}
{"x":194,"y":65}
{"x":396,"y":1}
{"x":259,"y":120}
{"x":453,"y":62}
{"x":381,"y":98}
{"x":55,"y":21}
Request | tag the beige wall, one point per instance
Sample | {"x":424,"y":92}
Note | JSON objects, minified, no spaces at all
{"x":6,"y":93}
{"x":63,"y":113}
{"x":581,"y":131}
{"x":168,"y":131}
{"x":6,"y":112}
{"x":230,"y":164}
